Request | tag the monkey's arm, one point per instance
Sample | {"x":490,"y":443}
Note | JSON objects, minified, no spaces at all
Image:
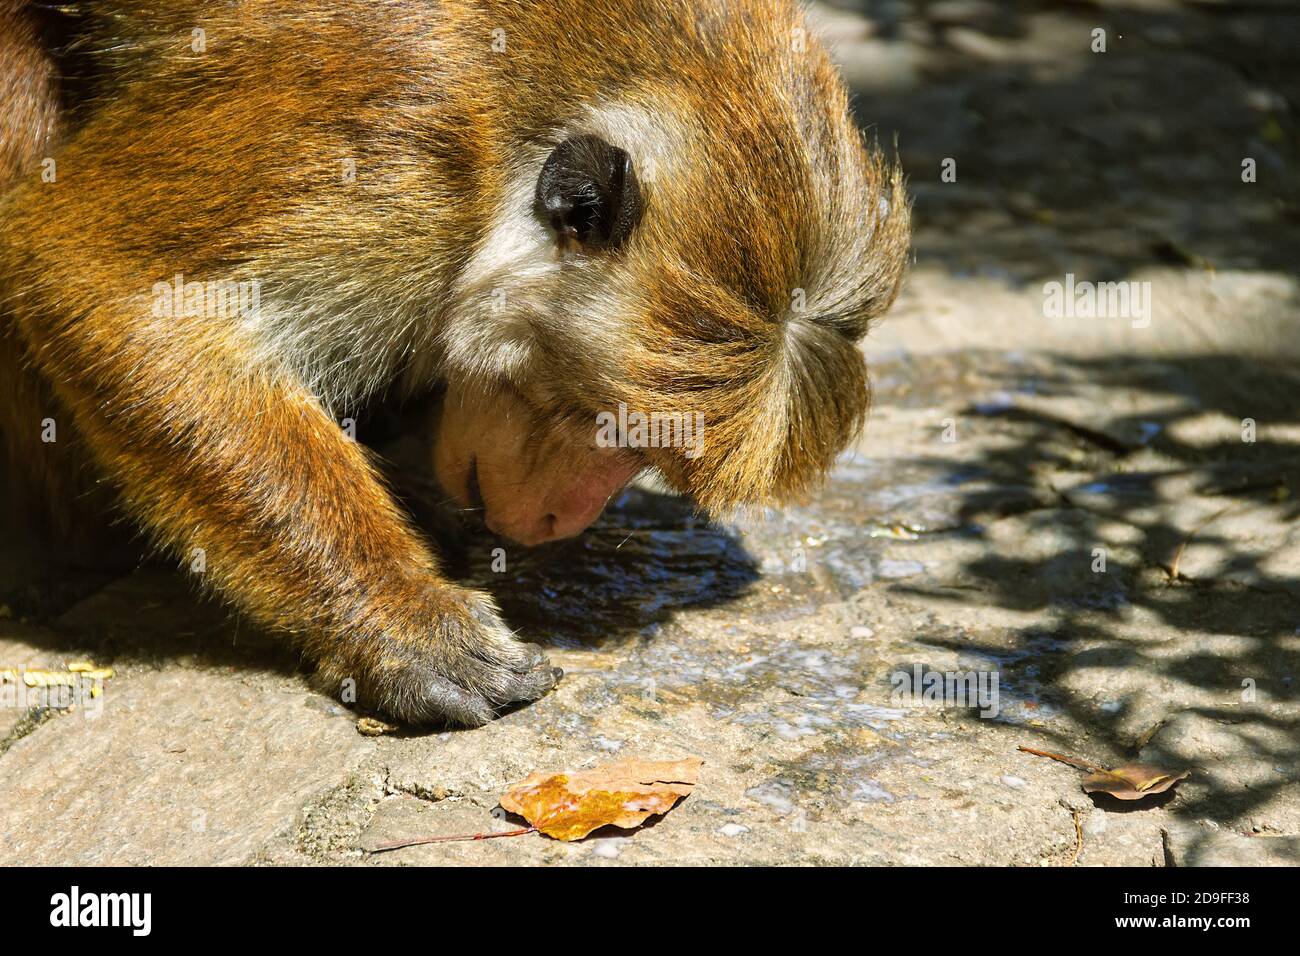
{"x":217,"y":449}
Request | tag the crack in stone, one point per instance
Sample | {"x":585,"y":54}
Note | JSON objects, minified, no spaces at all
{"x":27,"y":724}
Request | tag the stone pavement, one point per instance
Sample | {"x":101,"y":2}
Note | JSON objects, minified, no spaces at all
{"x":1065,"y":503}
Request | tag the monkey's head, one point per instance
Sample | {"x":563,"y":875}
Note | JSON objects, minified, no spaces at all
{"x":676,"y":276}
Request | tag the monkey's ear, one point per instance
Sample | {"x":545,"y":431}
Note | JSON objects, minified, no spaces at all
{"x":588,"y":192}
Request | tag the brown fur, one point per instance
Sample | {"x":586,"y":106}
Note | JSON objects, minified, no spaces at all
{"x":225,"y":164}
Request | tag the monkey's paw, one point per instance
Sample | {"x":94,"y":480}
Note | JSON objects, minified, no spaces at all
{"x":464,"y":670}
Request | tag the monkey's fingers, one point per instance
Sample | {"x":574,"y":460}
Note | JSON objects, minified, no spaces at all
{"x":423,"y":696}
{"x":472,"y":669}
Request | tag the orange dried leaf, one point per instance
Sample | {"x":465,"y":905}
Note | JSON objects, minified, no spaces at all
{"x":568,"y":806}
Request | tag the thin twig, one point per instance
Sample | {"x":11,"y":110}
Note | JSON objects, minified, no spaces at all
{"x":1078,"y":840}
{"x":1073,"y":762}
{"x":1178,"y":555}
{"x":456,"y":837}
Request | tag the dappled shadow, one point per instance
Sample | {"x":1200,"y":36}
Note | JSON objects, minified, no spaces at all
{"x":1182,"y":647}
{"x":1103,"y":165}
{"x":1073,"y":161}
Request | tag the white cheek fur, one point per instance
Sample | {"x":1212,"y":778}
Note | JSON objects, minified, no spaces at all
{"x":487,"y":332}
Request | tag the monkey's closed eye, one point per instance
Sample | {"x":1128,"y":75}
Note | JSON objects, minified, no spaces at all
{"x":588,"y":192}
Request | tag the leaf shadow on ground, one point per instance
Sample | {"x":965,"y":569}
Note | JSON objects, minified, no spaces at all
{"x":1103,"y":165}
{"x":1186,"y":648}
{"x":1093,"y":163}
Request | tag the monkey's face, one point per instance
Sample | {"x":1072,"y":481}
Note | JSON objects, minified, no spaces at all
{"x":674,"y":285}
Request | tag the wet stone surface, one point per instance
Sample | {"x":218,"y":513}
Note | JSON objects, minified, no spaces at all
{"x":1070,"y":510}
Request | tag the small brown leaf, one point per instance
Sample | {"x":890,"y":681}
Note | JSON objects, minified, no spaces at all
{"x":568,"y":806}
{"x":1133,"y":781}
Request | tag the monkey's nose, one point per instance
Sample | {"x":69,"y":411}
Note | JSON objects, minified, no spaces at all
{"x":566,"y":521}
{"x":563,"y":508}
{"x":526,"y":530}
{"x":572,"y":520}
{"x":574,"y":509}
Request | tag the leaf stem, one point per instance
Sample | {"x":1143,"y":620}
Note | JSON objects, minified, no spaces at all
{"x":453,"y":838}
{"x":1073,"y":762}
